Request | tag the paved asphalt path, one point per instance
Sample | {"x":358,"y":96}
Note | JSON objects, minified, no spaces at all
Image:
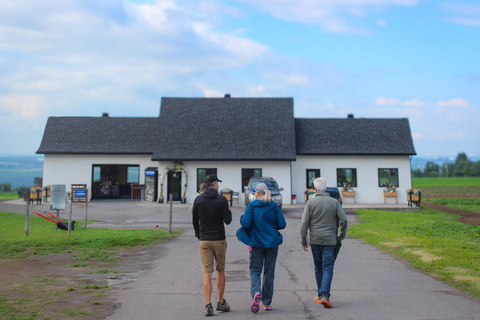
{"x":368,"y":283}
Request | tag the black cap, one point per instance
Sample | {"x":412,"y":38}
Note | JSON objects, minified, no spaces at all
{"x":211,"y":178}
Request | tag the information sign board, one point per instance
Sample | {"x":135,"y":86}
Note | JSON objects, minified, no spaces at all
{"x":57,"y":199}
{"x":82,"y":193}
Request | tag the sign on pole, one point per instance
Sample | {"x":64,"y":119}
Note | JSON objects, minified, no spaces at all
{"x":79,"y":194}
{"x":57,"y":199}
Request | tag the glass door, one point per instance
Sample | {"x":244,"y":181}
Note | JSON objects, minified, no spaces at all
{"x":174,"y":186}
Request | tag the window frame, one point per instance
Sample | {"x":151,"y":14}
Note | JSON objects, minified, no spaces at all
{"x":315,"y":171}
{"x":245,"y":180}
{"x":207,"y":172}
{"x":353,"y":177}
{"x":390,"y":170}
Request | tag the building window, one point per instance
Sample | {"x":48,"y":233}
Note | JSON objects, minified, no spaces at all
{"x":202,"y":173}
{"x":312,"y":174}
{"x":133,"y":174}
{"x":346,"y":176}
{"x":247,"y":174}
{"x":387,"y":177}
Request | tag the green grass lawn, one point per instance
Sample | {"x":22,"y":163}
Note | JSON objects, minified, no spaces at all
{"x":429,"y":240}
{"x":87,"y":244}
{"x":448,"y":187}
{"x":467,"y":204}
{"x":8,"y":195}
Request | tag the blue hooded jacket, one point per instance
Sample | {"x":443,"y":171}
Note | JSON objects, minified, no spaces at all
{"x":260,"y":224}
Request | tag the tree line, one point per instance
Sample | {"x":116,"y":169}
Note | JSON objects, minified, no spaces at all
{"x":462,"y":167}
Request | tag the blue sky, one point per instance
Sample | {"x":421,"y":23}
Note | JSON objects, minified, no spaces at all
{"x":373,"y":58}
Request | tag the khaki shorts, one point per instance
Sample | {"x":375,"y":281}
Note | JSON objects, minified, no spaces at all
{"x":213,"y":250}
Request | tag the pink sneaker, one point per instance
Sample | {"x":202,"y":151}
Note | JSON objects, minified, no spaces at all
{"x":256,"y":302}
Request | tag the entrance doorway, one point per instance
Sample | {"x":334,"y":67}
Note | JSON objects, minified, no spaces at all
{"x":111,"y":181}
{"x":174,"y":186}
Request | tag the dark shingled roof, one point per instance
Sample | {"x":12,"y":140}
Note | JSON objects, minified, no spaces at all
{"x":96,"y":135}
{"x":225,"y":129}
{"x":352,"y":136}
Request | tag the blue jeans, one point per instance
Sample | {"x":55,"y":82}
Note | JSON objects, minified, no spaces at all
{"x":324,"y":259}
{"x":263,"y":258}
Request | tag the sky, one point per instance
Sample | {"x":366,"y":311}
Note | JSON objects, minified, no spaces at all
{"x":414,"y":59}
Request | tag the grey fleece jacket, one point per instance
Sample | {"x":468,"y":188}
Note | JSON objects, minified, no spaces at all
{"x":320,"y":218}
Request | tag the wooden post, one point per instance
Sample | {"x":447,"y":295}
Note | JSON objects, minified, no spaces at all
{"x":86,"y":209}
{"x":170,"y":218}
{"x":27,"y":214}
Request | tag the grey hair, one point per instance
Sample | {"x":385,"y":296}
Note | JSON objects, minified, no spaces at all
{"x":264,"y":196}
{"x":320,"y":184}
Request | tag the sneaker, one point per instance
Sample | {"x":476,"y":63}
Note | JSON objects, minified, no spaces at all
{"x":208,"y":310}
{"x":224,"y":307}
{"x":256,"y":302}
{"x":326,"y":302}
{"x":267,"y":308}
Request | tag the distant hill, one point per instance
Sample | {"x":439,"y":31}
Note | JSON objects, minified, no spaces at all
{"x":20,"y":171}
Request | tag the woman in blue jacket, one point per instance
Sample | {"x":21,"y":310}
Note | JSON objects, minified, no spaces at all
{"x":260,"y":224}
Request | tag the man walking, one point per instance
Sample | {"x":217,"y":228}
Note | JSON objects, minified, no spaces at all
{"x":322,"y":216}
{"x":210,"y":212}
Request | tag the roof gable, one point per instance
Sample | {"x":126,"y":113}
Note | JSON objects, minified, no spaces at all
{"x":352,"y":136}
{"x":225,"y":129}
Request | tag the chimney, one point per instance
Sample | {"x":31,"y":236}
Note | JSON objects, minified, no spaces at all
{"x":227,"y":95}
{"x":105,"y":115}
{"x":350,"y":116}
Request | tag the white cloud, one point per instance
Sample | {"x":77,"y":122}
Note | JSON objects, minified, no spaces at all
{"x":416,"y":135}
{"x":465,"y":21}
{"x":258,"y":90}
{"x":20,"y":106}
{"x":212,"y":93}
{"x":415,"y":103}
{"x":381,"y":22}
{"x":330,"y":15}
{"x":382,"y":101}
{"x":458,"y":135}
{"x":467,"y":14}
{"x":460,"y":103}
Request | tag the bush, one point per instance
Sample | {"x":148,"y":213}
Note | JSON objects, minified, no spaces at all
{"x":5,"y":187}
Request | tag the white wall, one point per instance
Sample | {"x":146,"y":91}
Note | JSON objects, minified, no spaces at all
{"x":230,"y":172}
{"x":367,"y":190}
{"x":73,"y":169}
{"x":77,"y":169}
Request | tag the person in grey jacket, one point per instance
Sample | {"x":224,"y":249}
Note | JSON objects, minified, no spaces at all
{"x":322,"y":217}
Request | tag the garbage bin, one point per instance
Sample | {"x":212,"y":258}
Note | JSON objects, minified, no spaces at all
{"x":294,"y":199}
{"x":228,"y":194}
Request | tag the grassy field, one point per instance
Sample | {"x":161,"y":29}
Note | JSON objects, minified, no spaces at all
{"x":432,"y":241}
{"x":429,"y":240}
{"x":89,"y":244}
{"x":8,"y":195}
{"x":466,"y":204}
{"x":448,"y":187}
{"x":89,"y":247}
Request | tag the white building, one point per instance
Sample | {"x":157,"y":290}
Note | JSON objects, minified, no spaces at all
{"x":236,"y":138}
